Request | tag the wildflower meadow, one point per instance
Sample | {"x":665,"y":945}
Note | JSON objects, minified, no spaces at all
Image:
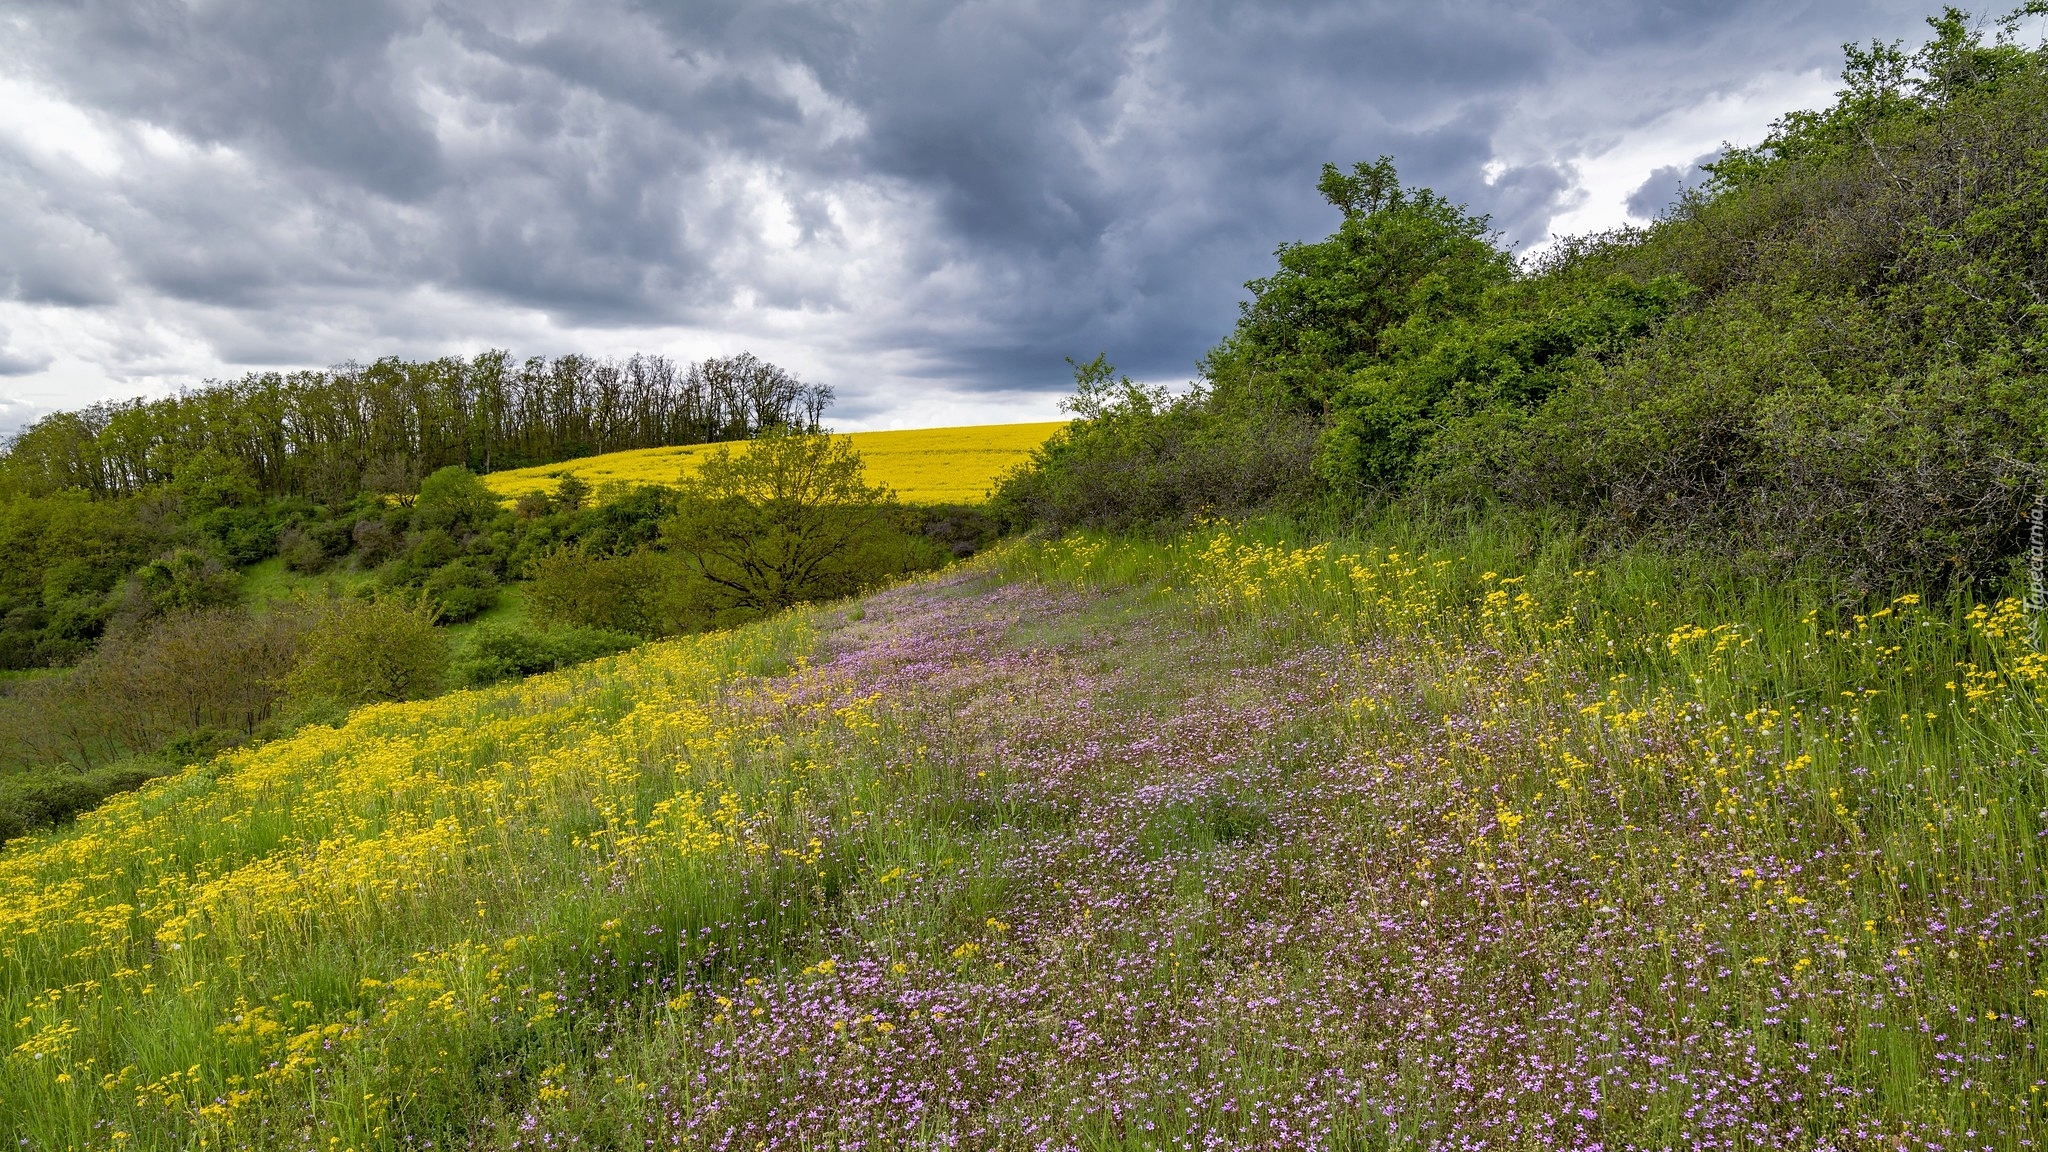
{"x":1238,"y":839}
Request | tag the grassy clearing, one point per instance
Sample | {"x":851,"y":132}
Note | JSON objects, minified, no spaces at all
{"x":924,"y":465}
{"x":1220,"y":841}
{"x":269,"y":582}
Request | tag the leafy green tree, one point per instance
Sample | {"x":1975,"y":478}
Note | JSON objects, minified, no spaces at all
{"x":791,"y":519}
{"x":1403,"y":257}
{"x":572,"y":493}
{"x":369,"y":651}
{"x":210,"y":479}
{"x":454,"y":499}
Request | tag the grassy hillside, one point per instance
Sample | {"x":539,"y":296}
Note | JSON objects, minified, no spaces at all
{"x":923,"y":465}
{"x":1220,"y":840}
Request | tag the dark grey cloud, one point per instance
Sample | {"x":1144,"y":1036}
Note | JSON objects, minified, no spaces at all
{"x":907,"y":199}
{"x":1664,"y":186}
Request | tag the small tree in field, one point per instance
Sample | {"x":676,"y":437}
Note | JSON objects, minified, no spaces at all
{"x":791,"y":519}
{"x":370,"y":651}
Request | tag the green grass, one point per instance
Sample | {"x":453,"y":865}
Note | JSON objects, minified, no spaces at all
{"x":269,"y":582}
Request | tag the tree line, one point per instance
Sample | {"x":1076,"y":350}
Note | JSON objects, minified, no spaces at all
{"x":329,"y":434}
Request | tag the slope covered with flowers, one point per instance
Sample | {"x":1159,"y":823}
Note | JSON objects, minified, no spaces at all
{"x":1223,"y":842}
{"x":923,"y":465}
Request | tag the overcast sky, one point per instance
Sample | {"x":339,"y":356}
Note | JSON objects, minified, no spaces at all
{"x":925,"y":205}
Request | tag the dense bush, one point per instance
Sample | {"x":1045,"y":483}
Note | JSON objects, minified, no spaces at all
{"x":461,"y":590}
{"x":641,"y":593}
{"x":494,"y":652}
{"x":1136,"y":456}
{"x":1857,"y":384}
{"x":369,"y":652}
{"x":208,"y":670}
{"x":61,"y":558}
{"x":38,"y":799}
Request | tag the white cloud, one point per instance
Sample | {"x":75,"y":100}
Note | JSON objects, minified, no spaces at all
{"x":1603,"y":179}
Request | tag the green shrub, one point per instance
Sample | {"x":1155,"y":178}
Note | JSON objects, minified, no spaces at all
{"x":1829,"y":359}
{"x":453,"y":499}
{"x":1139,"y":457}
{"x":370,"y":651}
{"x":213,"y":670}
{"x":182,"y":580}
{"x":40,"y":798}
{"x":641,"y":593}
{"x":462,"y":590}
{"x":301,"y":552}
{"x":494,"y":652}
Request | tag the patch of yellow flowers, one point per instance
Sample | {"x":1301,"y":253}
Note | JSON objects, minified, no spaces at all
{"x":158,"y":960}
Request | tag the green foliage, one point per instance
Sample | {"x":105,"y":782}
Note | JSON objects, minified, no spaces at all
{"x":1527,"y":340}
{"x":461,"y":590}
{"x":453,"y":499}
{"x":1831,"y":354}
{"x":1856,"y":381}
{"x":370,"y":651}
{"x":1137,"y":456}
{"x":38,"y":799}
{"x":378,"y":427}
{"x":572,"y":493}
{"x":494,"y":652}
{"x":182,"y":580}
{"x":214,"y":671}
{"x":792,"y":519}
{"x":63,"y":556}
{"x":209,"y":479}
{"x":1404,"y":258}
{"x":302,"y":552}
{"x":639,"y":593}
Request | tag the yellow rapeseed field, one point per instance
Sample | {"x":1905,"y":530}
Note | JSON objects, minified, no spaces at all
{"x":923,"y":465}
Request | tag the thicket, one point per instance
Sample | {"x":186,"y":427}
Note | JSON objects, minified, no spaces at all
{"x":1829,"y":357}
{"x":116,"y":514}
{"x":184,"y":686}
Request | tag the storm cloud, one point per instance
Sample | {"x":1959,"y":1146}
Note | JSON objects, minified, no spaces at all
{"x":927,"y":205}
